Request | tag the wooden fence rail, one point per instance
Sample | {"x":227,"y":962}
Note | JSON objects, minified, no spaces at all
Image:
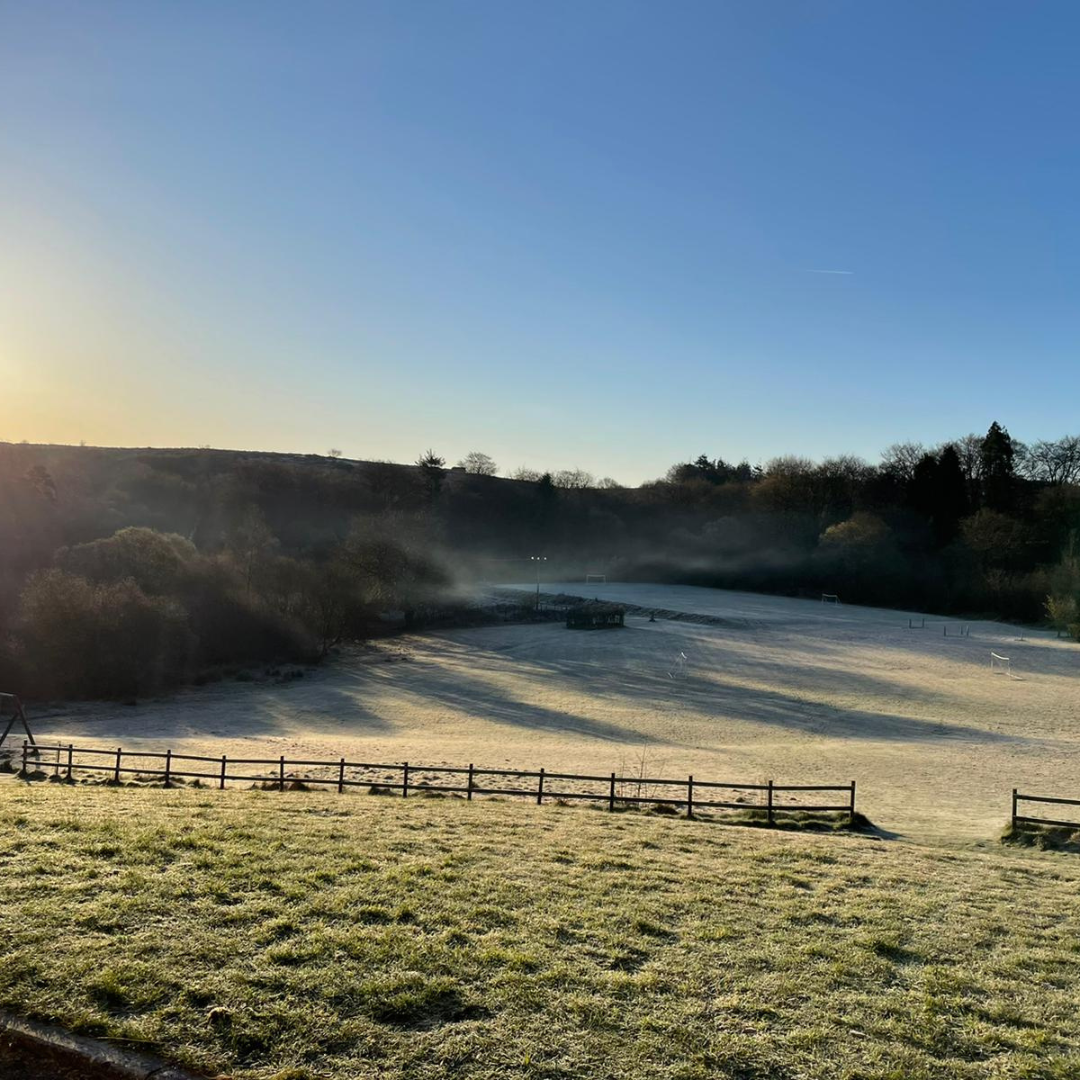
{"x":168,"y":766}
{"x":1025,"y":819}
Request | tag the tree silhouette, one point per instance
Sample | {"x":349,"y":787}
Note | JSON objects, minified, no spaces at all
{"x":431,"y":469}
{"x":950,"y":495}
{"x":478,"y":464}
{"x":996,"y":455}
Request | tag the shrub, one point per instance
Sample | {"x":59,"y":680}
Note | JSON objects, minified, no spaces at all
{"x":1064,"y":615}
{"x":100,"y":640}
{"x":153,"y":560}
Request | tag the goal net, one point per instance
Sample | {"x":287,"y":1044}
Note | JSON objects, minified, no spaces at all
{"x":1000,"y":665}
{"x":678,"y":669}
{"x":830,"y":598}
{"x":596,"y":579}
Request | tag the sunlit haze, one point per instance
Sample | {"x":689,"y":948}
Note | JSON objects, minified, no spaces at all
{"x":607,"y":235}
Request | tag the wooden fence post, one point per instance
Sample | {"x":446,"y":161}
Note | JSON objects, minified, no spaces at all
{"x":223,"y":778}
{"x":1014,"y":809}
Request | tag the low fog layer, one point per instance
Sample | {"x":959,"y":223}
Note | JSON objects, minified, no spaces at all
{"x":124,"y":571}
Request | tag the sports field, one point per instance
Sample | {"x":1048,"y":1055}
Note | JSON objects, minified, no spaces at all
{"x":792,"y":690}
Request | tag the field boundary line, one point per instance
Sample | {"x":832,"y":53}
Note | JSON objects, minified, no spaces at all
{"x":60,"y":763}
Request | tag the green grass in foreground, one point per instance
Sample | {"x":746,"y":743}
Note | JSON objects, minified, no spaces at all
{"x":297,"y":936}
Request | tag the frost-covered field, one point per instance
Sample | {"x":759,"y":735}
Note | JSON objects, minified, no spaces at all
{"x":794,"y":690}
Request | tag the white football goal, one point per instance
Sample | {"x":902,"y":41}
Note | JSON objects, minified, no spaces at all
{"x":1001,"y":665}
{"x":596,"y":579}
{"x":830,"y":598}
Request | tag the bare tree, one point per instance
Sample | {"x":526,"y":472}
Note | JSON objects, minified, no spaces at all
{"x":969,"y":451}
{"x":573,"y":479}
{"x":1069,"y":459}
{"x":1053,"y":462}
{"x":846,"y":467}
{"x":836,"y":483}
{"x":523,"y":472}
{"x":900,"y":459}
{"x":478,"y":464}
{"x":251,"y":542}
{"x":790,"y":465}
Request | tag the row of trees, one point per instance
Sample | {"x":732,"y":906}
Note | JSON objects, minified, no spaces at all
{"x":981,"y":524}
{"x":1044,"y":461}
{"x":479,"y":464}
{"x":122,"y":570}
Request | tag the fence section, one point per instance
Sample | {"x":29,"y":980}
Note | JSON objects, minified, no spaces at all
{"x":1024,"y":819}
{"x":772,"y":800}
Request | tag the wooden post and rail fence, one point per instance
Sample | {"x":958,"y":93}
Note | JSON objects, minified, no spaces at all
{"x":773,"y":800}
{"x":1024,"y":819}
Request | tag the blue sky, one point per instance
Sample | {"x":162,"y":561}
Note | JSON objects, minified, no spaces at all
{"x":562,"y":233}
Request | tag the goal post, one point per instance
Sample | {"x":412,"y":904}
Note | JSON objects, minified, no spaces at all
{"x":1000,"y":665}
{"x":678,"y":668}
{"x":830,"y":598}
{"x":596,"y":579}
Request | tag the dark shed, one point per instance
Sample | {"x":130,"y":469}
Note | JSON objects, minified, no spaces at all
{"x":595,"y":615}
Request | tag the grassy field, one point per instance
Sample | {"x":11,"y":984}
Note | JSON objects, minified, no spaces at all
{"x":773,"y":687}
{"x":297,"y":936}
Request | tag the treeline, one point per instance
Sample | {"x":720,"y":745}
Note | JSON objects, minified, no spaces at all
{"x":122,"y":572}
{"x":982,"y":525}
{"x":125,"y":574}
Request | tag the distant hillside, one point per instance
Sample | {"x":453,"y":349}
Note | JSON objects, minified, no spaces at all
{"x":124,"y":570}
{"x":243,"y":555}
{"x":308,"y":499}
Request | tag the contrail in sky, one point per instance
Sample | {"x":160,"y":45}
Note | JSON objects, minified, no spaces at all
{"x":845,"y":272}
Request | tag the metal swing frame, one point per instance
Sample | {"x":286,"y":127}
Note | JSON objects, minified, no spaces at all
{"x":18,"y":715}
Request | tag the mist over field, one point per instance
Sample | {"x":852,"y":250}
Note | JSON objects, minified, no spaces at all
{"x":126,"y":571}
